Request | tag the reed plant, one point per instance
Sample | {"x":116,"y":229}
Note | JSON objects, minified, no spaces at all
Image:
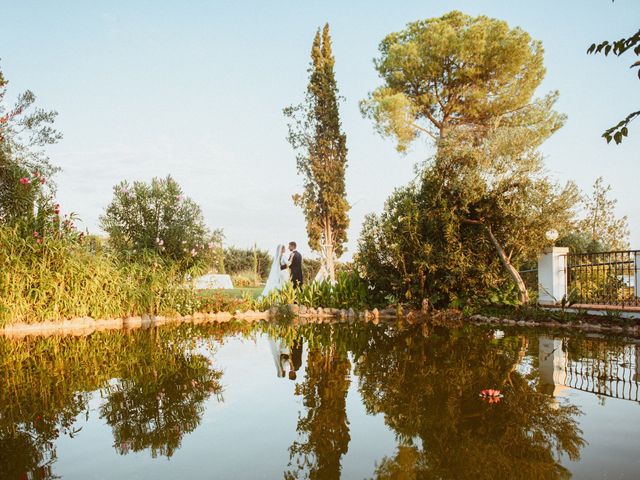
{"x":56,"y":279}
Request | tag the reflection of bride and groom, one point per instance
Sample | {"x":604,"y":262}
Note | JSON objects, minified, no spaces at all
{"x":286,"y":357}
{"x":286,"y":268}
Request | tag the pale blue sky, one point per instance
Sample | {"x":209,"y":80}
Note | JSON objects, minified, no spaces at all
{"x":195,"y":89}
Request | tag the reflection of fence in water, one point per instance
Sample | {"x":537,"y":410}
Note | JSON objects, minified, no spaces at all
{"x":605,"y":278}
{"x":608,"y":371}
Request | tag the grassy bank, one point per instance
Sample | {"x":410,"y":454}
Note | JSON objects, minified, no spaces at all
{"x":57,"y":279}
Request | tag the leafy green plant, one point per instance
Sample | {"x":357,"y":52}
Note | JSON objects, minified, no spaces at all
{"x":349,"y":291}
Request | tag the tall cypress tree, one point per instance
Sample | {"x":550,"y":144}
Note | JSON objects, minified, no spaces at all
{"x":315,"y":133}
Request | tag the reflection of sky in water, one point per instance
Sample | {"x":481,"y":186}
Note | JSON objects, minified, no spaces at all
{"x":248,"y":434}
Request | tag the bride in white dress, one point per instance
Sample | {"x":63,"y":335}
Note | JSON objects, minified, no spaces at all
{"x":278,"y":276}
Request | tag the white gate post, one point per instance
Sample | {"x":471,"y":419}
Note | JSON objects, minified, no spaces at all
{"x":636,"y":280}
{"x":552,"y":275}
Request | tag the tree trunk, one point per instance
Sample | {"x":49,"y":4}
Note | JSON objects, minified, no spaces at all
{"x":328,"y":250}
{"x":523,"y":295}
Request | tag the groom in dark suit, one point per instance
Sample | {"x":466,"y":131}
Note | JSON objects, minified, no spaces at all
{"x":296,"y":265}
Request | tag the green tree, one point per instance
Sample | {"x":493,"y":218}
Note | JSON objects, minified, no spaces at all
{"x":452,"y":71}
{"x":599,"y":223}
{"x":468,"y":84}
{"x":26,"y":189}
{"x":315,"y":133}
{"x":157,"y":217}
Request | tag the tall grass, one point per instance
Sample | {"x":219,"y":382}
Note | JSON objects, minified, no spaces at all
{"x":58,"y":279}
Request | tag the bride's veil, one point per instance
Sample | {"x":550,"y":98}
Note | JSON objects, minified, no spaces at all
{"x":273,"y":281}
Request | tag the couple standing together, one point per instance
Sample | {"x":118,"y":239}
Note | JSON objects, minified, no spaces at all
{"x":286,"y":267}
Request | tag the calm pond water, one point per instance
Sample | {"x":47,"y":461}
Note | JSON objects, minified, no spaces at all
{"x":388,"y":401}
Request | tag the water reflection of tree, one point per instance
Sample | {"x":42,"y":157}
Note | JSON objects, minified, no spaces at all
{"x":427,"y":389}
{"x":324,"y":428}
{"x":160,"y":402}
{"x":46,"y":383}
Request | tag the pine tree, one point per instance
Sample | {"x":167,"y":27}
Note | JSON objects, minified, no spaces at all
{"x":315,"y":133}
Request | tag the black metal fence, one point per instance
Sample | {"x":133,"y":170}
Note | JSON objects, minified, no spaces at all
{"x":604,"y":278}
{"x":606,"y":371}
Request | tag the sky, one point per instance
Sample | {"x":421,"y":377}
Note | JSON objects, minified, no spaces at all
{"x":195,"y":89}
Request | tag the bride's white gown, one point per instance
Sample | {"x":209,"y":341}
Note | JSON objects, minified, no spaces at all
{"x":278,"y":277}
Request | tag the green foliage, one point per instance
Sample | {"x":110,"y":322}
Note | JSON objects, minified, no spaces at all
{"x":468,"y":83}
{"x":454,"y":70}
{"x":52,"y":278}
{"x":322,"y":153}
{"x":580,"y":242}
{"x":156,"y":217}
{"x":416,"y":249}
{"x":618,"y":48}
{"x":25,"y":170}
{"x":237,"y":260}
{"x":349,"y":291}
{"x":245,"y":278}
{"x":420,"y":246}
{"x":600,"y":221}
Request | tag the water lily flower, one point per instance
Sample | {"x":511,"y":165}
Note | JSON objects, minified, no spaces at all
{"x":490,"y":393}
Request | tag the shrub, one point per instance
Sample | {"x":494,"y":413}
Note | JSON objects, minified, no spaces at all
{"x":156,"y":217}
{"x":246,"y":278}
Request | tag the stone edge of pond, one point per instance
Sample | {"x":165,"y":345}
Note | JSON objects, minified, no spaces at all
{"x":82,"y":326}
{"x":590,"y":327}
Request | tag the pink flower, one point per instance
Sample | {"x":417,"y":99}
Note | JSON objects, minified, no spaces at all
{"x":490,"y":393}
{"x":35,"y":234}
{"x":24,"y":181}
{"x":42,"y":181}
